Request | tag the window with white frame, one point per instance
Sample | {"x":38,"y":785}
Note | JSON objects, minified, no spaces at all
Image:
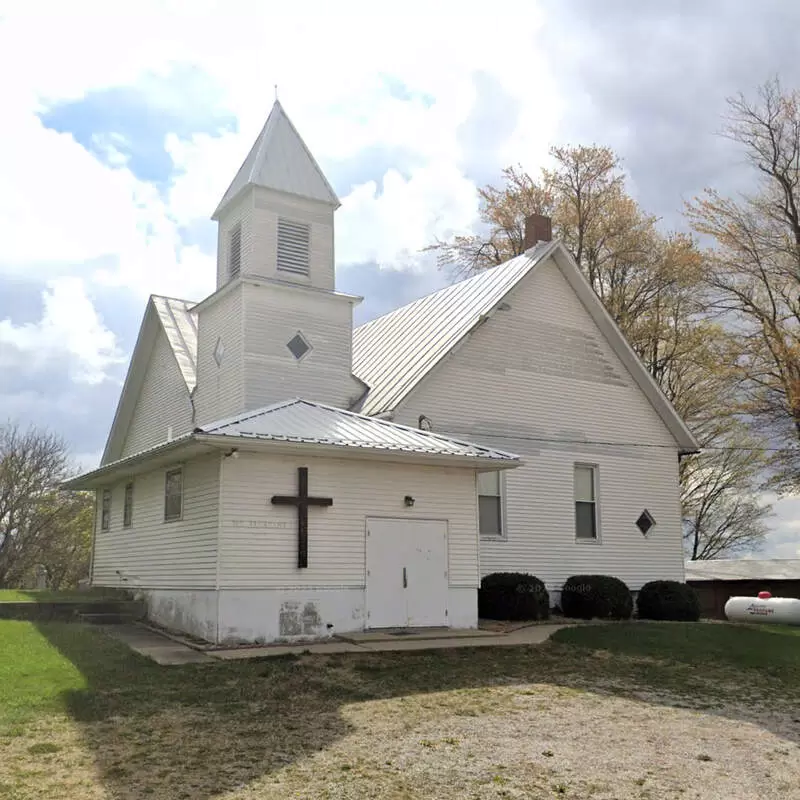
{"x":585,"y":502}
{"x":235,"y":251}
{"x":127,"y":508}
{"x":105,"y":510}
{"x":490,"y":503}
{"x":173,"y":495}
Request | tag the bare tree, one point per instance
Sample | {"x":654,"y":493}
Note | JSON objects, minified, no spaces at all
{"x":36,"y":517}
{"x":503,"y":212}
{"x":723,"y":510}
{"x":754,"y":268}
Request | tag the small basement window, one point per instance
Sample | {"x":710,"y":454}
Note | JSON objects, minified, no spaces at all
{"x":235,"y":251}
{"x":173,"y":495}
{"x":105,"y":511}
{"x":490,"y":504}
{"x":585,"y":503}
{"x":127,"y":509}
{"x":294,"y":246}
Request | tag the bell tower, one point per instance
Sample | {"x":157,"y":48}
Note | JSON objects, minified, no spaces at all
{"x":276,"y":218}
{"x":275,"y":328}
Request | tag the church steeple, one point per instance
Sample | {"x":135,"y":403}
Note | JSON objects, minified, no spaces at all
{"x":276,"y":327}
{"x":276,"y":218}
{"x":279,"y":160}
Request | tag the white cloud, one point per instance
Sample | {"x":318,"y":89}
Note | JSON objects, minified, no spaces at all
{"x":63,"y":212}
{"x":392,"y":226}
{"x":70,"y":330}
{"x":783,"y":539}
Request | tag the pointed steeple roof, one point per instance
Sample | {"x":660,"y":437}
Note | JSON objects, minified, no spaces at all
{"x":280,"y":160}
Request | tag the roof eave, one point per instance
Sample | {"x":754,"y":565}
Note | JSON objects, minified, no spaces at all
{"x":280,"y":446}
{"x":134,"y":464}
{"x":123,"y":412}
{"x":195,"y":444}
{"x":228,"y":201}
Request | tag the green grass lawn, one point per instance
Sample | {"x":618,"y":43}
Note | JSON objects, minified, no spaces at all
{"x":768,"y":648}
{"x":83,"y":716}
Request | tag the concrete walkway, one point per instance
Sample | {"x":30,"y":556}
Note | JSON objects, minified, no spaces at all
{"x":167,"y":651}
{"x":151,"y":644}
{"x":378,"y":642}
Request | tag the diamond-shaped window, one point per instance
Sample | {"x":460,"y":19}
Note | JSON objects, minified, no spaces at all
{"x":219,"y":352}
{"x":645,"y":522}
{"x":298,"y":346}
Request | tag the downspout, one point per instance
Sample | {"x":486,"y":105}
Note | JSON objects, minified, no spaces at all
{"x":94,"y":539}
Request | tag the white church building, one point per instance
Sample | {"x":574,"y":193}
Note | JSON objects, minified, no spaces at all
{"x":273,"y":475}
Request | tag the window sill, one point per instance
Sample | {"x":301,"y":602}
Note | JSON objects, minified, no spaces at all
{"x":587,"y":541}
{"x":487,"y":537}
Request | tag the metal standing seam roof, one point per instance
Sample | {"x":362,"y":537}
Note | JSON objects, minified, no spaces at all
{"x":743,"y":569}
{"x":302,"y":421}
{"x":279,"y":159}
{"x":180,"y":326}
{"x":393,"y":353}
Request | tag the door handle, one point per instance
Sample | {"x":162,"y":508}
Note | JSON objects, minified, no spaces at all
{"x":405,"y":579}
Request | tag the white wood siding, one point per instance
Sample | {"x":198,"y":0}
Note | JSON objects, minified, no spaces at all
{"x":268,"y":206}
{"x":259,"y":541}
{"x":163,"y":402}
{"x":537,"y":379}
{"x":220,"y":389}
{"x":272,"y":317}
{"x":240,"y":212}
{"x":156,"y":554}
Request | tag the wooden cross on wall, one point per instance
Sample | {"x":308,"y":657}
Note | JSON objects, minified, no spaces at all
{"x":302,"y":502}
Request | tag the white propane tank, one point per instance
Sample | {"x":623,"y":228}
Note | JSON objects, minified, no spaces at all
{"x":764,"y":608}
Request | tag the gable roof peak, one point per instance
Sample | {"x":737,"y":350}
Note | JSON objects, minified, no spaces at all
{"x":393,"y":353}
{"x":279,"y":159}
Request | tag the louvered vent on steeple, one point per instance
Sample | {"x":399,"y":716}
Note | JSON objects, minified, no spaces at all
{"x":294,"y":240}
{"x":235,"y":251}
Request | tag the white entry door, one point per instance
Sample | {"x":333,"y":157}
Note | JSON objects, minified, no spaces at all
{"x":406,"y":573}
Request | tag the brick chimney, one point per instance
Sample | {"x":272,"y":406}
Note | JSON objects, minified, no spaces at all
{"x":538,"y":228}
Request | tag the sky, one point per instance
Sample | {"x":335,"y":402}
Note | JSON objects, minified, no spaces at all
{"x":123,"y":124}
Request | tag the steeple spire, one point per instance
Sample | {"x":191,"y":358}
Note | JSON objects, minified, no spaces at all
{"x":280,"y":160}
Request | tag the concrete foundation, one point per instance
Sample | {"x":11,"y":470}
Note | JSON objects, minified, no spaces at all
{"x":193,"y":612}
{"x":262,"y":616}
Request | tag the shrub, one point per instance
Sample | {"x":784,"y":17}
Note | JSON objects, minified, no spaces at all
{"x":601,"y":596}
{"x":670,"y":600}
{"x":513,"y":595}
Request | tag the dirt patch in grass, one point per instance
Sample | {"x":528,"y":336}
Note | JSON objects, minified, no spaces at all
{"x":539,"y":741}
{"x":521,"y":741}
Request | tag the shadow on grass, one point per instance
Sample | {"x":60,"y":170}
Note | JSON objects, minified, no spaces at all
{"x":200,"y":731}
